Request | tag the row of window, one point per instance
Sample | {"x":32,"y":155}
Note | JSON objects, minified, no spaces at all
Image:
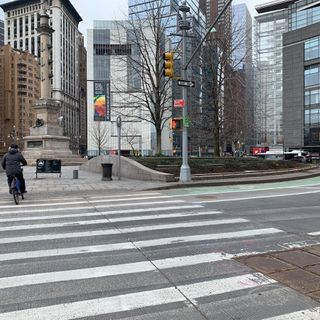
{"x":112,"y":49}
{"x":23,"y":10}
{"x":303,"y":18}
{"x":312,"y":49}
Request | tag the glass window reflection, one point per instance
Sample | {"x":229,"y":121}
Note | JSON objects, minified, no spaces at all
{"x":311,"y":76}
{"x":312,"y":49}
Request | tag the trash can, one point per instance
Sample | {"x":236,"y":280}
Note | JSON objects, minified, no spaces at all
{"x":106,"y":171}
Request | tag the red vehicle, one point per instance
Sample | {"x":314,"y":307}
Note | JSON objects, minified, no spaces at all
{"x":255,"y":150}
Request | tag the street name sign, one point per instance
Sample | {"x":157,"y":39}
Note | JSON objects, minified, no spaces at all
{"x":186,"y":83}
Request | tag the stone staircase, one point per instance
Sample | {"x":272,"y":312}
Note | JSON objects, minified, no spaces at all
{"x":66,"y":159}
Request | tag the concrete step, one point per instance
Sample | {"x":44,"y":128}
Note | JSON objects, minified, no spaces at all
{"x":65,"y":161}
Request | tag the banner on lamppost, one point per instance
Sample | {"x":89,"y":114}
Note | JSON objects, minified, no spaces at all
{"x":101,"y":100}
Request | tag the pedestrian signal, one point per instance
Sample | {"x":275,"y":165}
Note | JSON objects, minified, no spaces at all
{"x":176,"y":124}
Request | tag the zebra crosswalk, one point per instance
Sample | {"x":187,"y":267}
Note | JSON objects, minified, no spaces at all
{"x":139,"y":256}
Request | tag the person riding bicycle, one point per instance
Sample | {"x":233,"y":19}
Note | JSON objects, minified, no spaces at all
{"x":11,"y":163}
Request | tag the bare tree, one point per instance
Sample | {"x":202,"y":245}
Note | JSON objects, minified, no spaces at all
{"x":222,"y":110}
{"x":133,"y":139}
{"x":148,"y":92}
{"x":100,"y":135}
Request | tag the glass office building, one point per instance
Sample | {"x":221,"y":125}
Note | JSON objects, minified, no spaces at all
{"x":303,"y":14}
{"x":269,"y":30}
{"x":301,"y":79}
{"x":169,"y":12}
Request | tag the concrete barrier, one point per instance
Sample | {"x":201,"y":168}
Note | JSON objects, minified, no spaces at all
{"x":129,"y":169}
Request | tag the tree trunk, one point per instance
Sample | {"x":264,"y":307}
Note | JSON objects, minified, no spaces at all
{"x":158,"y":141}
{"x":216,"y":131}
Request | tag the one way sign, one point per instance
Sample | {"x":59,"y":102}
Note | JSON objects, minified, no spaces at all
{"x":186,"y":83}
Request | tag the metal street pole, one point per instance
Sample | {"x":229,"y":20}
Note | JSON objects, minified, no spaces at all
{"x":119,"y":144}
{"x":185,"y":174}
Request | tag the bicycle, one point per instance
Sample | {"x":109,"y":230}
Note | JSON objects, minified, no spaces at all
{"x":16,"y":190}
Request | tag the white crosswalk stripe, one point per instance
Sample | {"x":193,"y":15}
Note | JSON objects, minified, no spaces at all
{"x":103,"y":221}
{"x":107,"y":213}
{"x":99,"y":200}
{"x":139,"y":244}
{"x":105,"y":271}
{"x":95,"y":307}
{"x":75,"y":208}
{"x":61,"y":262}
{"x":105,"y":231}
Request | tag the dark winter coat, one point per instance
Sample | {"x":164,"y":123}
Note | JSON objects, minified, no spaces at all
{"x":11,"y":162}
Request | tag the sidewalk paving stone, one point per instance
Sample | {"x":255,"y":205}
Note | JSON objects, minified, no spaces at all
{"x":298,"y":258}
{"x":301,"y":280}
{"x":267,"y":264}
{"x":299,"y":269}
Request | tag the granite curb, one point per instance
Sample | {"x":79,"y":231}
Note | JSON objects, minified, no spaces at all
{"x":244,"y":178}
{"x":91,"y":183}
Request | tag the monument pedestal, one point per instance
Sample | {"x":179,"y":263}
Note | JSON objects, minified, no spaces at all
{"x":46,"y":139}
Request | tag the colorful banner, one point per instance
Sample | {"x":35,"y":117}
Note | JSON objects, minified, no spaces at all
{"x":101,"y":101}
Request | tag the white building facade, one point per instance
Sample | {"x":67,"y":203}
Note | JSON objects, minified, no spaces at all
{"x":107,"y":65}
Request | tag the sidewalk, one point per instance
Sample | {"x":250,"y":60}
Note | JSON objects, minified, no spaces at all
{"x":50,"y":184}
{"x":299,"y":269}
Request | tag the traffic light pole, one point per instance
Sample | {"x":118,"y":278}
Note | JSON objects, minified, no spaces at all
{"x":185,"y":173}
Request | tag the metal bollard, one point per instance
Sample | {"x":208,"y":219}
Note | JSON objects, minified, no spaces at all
{"x":75,"y":174}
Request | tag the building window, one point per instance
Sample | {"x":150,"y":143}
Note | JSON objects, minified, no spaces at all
{"x":312,"y":49}
{"x":311,"y":76}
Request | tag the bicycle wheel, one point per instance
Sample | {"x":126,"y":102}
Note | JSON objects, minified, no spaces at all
{"x":16,"y":196}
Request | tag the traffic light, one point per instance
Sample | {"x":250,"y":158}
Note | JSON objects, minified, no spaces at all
{"x":168,"y":64}
{"x":176,"y":124}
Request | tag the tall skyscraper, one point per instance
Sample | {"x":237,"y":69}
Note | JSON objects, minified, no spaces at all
{"x":21,"y":23}
{"x":169,"y":12}
{"x":269,"y":27}
{"x":288,"y":59}
{"x":242,"y":65}
{"x":301,"y":76}
{"x":211,"y":9}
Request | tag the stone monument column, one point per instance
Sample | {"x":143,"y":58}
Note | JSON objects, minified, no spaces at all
{"x":46,"y":138}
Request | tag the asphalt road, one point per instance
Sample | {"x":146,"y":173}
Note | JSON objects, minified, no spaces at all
{"x":155,"y":255}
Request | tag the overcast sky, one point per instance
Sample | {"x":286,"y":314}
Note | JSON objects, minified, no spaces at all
{"x":91,"y":10}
